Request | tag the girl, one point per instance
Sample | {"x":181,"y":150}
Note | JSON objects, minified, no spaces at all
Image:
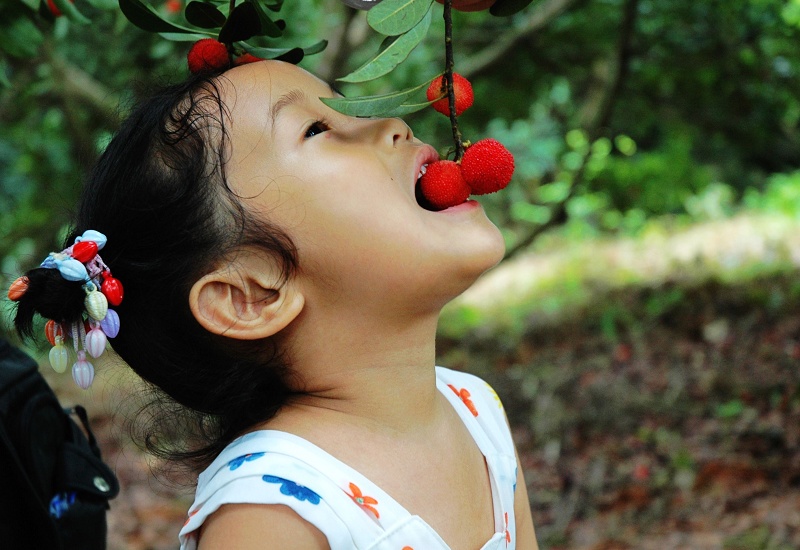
{"x":283,"y":285}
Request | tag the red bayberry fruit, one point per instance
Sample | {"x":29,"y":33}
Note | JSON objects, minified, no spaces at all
{"x":443,"y":186}
{"x":487,"y":166}
{"x":173,"y":6}
{"x":245,"y":59}
{"x":208,"y":54}
{"x":462,"y":89}
{"x":54,"y":9}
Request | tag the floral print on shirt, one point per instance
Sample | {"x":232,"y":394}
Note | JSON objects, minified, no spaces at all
{"x":464,"y":394}
{"x":292,"y":489}
{"x":362,"y":500}
{"x":239,"y":460}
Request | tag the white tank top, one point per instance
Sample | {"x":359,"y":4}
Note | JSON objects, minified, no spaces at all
{"x":274,"y":467}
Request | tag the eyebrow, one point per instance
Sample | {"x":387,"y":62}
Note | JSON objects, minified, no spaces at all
{"x":294,"y":96}
{"x":291,"y":97}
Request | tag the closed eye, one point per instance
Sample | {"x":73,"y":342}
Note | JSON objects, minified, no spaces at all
{"x":316,"y":127}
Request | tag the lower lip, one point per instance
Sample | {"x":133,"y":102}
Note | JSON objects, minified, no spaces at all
{"x":467,"y":205}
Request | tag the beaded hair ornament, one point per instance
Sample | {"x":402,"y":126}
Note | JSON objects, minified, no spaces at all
{"x":81,"y":263}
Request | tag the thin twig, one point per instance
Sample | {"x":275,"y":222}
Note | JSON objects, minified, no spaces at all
{"x":448,"y":78}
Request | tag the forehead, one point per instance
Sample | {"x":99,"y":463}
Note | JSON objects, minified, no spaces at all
{"x":252,"y":91}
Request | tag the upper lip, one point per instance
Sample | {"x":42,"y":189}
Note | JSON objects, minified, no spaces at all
{"x":426,"y":155}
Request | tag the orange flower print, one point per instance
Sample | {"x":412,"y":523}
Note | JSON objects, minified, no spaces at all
{"x":407,"y":548}
{"x":508,"y":534}
{"x":190,"y":515}
{"x":464,"y":394}
{"x":363,"y":501}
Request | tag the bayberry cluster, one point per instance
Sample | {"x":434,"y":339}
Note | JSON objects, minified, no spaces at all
{"x":486,"y":167}
{"x":209,"y":54}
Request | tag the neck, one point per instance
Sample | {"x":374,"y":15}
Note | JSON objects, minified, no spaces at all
{"x":376,"y":373}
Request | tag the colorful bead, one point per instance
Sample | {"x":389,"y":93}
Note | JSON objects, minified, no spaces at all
{"x":52,"y":330}
{"x":92,"y":235}
{"x":96,"y":342}
{"x":96,"y":305}
{"x":83,"y":371}
{"x":84,"y":251}
{"x":110,"y":324}
{"x":72,"y":270}
{"x":113,"y":291}
{"x":59,"y":358}
{"x":18,"y":288}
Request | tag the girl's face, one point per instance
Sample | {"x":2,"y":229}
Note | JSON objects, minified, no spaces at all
{"x":343,"y":189}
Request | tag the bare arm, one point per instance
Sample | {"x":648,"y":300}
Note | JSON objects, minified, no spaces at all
{"x":259,"y":526}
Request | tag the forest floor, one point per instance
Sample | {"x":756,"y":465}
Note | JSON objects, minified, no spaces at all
{"x":658,"y":417}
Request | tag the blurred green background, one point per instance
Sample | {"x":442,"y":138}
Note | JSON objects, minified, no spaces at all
{"x":643,"y":330}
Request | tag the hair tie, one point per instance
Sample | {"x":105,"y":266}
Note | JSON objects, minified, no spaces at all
{"x":81,"y":263}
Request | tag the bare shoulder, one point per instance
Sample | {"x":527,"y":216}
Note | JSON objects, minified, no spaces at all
{"x":251,"y":526}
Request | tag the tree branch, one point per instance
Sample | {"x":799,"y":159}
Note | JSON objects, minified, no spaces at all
{"x":339,"y":47}
{"x":608,"y":97}
{"x":540,"y":17}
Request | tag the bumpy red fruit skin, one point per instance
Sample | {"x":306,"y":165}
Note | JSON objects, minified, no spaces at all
{"x":245,"y":59}
{"x":443,"y":186}
{"x":487,"y":166}
{"x":207,"y":54}
{"x":463,"y":92}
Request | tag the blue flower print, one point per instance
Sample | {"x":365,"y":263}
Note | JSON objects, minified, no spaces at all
{"x":238,"y":461}
{"x":292,"y":489}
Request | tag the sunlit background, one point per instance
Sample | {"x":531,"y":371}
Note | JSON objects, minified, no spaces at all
{"x":644,"y":331}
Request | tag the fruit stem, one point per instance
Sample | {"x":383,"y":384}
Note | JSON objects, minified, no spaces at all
{"x":448,"y":77}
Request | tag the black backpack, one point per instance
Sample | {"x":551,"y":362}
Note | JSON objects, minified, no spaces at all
{"x":54,"y":487}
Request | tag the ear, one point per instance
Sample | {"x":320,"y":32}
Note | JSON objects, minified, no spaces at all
{"x":245,"y":300}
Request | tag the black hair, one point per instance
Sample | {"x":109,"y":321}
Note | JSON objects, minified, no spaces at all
{"x":160,"y":195}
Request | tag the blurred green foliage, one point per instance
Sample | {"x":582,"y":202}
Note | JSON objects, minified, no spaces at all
{"x":618,"y":112}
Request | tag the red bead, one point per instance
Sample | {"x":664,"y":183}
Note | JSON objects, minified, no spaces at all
{"x":51,"y":330}
{"x":84,"y":251}
{"x":112,"y":289}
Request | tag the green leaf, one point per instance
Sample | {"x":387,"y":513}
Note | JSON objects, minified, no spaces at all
{"x":294,"y":56}
{"x":275,"y":53}
{"x":373,"y":105}
{"x":315,"y":48}
{"x":268,"y":26}
{"x":103,"y":4}
{"x":395,"y":17}
{"x":146,"y":18}
{"x":391,"y":56}
{"x":406,"y":109}
{"x":243,"y":23}
{"x":204,"y":15}
{"x":185,"y":36}
{"x":71,"y":12}
{"x":504,"y":8}
{"x":275,"y":6}
{"x":20,"y":37}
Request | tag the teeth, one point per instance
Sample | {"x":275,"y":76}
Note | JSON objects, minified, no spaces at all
{"x":422,"y":170}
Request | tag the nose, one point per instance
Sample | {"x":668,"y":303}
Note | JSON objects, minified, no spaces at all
{"x":394,"y":131}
